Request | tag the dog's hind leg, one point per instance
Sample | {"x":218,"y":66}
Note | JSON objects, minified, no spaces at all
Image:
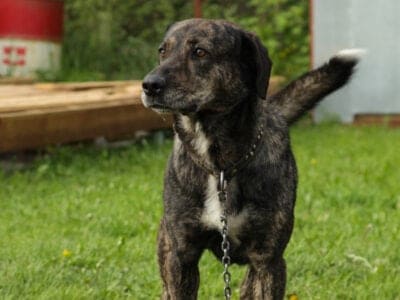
{"x":178,"y":263}
{"x":265,"y":281}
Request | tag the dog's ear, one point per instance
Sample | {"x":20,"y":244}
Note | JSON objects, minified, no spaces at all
{"x":256,"y":56}
{"x":169,"y":26}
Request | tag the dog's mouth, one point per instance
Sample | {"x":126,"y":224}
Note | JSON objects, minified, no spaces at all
{"x":152,"y":103}
{"x":159,"y":108}
{"x":165,"y":105}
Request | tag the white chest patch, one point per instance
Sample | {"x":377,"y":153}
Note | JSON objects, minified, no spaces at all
{"x":211,"y":216}
{"x":200,"y":142}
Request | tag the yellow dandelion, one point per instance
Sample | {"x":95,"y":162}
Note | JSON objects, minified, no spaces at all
{"x":66,"y":253}
{"x":313,"y":161}
{"x":293,"y":297}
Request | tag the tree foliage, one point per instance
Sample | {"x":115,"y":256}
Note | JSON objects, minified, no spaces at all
{"x":117,"y":39}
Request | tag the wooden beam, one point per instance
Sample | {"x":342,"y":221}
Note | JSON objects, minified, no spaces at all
{"x":311,"y":32}
{"x":28,"y":130}
{"x":391,"y":120}
{"x":67,"y":101}
{"x":83,"y":86}
{"x":197,"y":9}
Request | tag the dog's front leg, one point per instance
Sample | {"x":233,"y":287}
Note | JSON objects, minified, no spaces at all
{"x":178,"y":262}
{"x":266,"y":277}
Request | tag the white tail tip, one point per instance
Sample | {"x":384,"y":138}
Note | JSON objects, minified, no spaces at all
{"x":353,"y":54}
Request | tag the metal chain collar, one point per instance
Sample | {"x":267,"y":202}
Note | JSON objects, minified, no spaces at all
{"x":225,"y":245}
{"x":231,"y":170}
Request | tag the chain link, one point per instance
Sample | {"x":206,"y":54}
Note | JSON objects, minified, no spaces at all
{"x":225,"y":245}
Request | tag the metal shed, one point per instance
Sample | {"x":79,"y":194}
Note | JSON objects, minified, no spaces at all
{"x":375,"y":26}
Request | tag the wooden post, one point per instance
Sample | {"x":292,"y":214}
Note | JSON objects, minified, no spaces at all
{"x":197,"y":8}
{"x":311,"y":32}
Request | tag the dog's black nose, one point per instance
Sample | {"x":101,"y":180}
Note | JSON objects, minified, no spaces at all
{"x":153,"y":85}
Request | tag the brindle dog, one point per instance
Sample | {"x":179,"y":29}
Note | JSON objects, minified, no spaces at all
{"x":213,"y":77}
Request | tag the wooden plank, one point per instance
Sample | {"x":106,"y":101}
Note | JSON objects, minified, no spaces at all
{"x":11,"y":91}
{"x":31,"y":131}
{"x":13,"y":80}
{"x":275,"y":83}
{"x":27,"y":90}
{"x":391,"y":120}
{"x":82,"y":86}
{"x":65,"y":99}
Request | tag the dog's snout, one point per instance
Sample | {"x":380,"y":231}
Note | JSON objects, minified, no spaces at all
{"x":153,"y":85}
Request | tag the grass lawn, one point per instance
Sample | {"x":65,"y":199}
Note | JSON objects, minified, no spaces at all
{"x":81,"y":222}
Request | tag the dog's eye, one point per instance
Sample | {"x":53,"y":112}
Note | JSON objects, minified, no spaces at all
{"x":161,"y":51}
{"x":200,"y":52}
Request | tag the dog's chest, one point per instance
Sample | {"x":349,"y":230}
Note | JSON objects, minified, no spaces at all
{"x":213,"y":209}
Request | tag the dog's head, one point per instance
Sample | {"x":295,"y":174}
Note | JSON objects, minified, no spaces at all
{"x":206,"y":65}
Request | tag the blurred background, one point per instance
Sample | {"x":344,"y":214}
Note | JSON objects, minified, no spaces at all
{"x":118,"y":39}
{"x":68,"y":68}
{"x":108,"y":40}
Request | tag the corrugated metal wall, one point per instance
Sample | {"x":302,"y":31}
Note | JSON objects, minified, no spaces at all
{"x":375,"y":26}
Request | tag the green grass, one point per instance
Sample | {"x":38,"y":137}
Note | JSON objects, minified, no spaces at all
{"x":81,"y":222}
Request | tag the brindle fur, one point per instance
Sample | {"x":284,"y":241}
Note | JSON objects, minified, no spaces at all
{"x":217,"y":101}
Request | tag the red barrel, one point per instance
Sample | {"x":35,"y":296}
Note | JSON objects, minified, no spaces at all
{"x":30,"y":36}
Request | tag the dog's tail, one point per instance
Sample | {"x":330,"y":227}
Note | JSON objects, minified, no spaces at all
{"x":306,"y":91}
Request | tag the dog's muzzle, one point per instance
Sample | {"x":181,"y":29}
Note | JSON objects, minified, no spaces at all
{"x":153,"y":85}
{"x":153,"y":89}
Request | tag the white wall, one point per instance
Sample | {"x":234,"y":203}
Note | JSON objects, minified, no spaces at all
{"x":374,"y":25}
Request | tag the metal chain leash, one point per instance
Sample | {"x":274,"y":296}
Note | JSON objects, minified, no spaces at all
{"x":225,"y":245}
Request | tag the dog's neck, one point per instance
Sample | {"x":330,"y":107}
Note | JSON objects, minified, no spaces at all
{"x":220,"y":139}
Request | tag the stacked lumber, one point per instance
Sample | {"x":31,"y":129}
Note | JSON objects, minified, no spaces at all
{"x":390,"y":120}
{"x":37,"y":115}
